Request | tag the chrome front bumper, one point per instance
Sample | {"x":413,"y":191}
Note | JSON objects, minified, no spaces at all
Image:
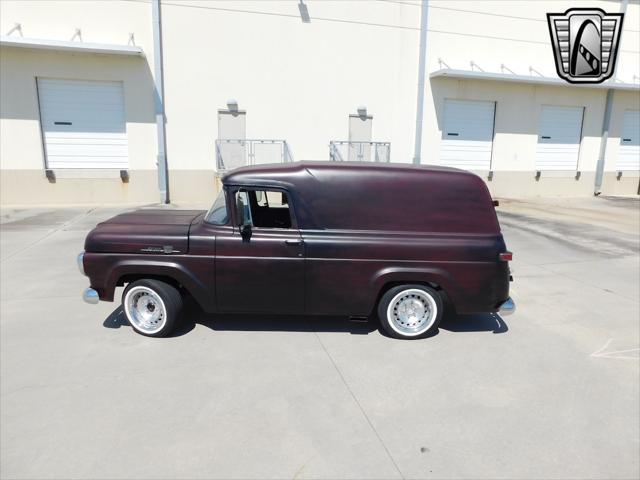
{"x":90,"y":296}
{"x":508,"y":307}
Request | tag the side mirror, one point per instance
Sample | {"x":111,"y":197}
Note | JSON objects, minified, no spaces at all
{"x":245,"y":231}
{"x":243,"y":215}
{"x":240,"y":211}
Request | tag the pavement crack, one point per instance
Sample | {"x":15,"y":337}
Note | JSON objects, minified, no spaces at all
{"x":299,"y":471}
{"x":355,"y":399}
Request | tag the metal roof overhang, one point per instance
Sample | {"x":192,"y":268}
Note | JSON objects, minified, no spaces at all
{"x":529,"y":79}
{"x":69,"y":46}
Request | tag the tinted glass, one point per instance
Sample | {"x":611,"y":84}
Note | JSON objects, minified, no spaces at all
{"x":264,"y":208}
{"x":218,"y":214}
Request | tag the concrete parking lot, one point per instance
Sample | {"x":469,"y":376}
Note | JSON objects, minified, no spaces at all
{"x":550,"y":392}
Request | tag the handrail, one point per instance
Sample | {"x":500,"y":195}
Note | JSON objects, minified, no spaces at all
{"x":247,"y":152}
{"x":360,"y":151}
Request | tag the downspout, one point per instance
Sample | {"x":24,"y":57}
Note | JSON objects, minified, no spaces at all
{"x":158,"y":78}
{"x":603,"y":143}
{"x":606,"y":122}
{"x":421,"y":71}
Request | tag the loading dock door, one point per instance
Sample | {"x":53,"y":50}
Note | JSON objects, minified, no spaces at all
{"x":559,"y":133}
{"x":629,"y":153}
{"x":83,"y":124}
{"x":467,"y":134}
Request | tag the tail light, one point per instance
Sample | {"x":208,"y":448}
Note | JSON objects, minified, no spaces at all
{"x":506,"y":256}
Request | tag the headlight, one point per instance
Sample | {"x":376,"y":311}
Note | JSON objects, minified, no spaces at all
{"x":80,"y":260}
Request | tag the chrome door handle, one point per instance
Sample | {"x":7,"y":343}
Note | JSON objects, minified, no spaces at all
{"x":293,"y":242}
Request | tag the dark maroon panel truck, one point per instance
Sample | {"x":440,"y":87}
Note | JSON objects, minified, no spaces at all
{"x":318,"y":238}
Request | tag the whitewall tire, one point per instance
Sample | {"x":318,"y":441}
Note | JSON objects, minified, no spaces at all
{"x":410,"y":311}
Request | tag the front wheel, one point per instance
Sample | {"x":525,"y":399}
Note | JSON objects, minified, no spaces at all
{"x":152,"y":307}
{"x":410,"y":311}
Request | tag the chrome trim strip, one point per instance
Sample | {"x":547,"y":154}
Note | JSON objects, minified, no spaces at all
{"x":508,"y":307}
{"x":90,"y":296}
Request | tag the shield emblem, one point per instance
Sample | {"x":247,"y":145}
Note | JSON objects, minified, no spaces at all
{"x":585,"y":43}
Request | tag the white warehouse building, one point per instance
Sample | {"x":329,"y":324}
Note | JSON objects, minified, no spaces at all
{"x":83,"y":86}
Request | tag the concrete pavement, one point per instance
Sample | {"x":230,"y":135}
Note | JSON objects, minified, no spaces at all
{"x":550,"y":392}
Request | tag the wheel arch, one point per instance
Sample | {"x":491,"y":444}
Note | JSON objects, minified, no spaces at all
{"x":435,"y":278}
{"x":168,"y":272}
{"x":132,"y":277}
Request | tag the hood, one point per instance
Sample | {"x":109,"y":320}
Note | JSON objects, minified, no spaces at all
{"x":144,"y":231}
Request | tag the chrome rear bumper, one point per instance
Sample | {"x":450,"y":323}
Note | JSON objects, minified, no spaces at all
{"x":80,"y":261}
{"x":90,"y":296}
{"x":508,"y":307}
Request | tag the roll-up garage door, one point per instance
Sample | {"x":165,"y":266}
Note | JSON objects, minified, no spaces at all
{"x":559,"y":133}
{"x":83,"y":124}
{"x":629,"y":153}
{"x":467,"y":134}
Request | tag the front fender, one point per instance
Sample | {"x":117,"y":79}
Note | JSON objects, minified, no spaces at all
{"x":194,"y":273}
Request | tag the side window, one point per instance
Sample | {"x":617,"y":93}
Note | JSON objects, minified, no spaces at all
{"x":218,"y":213}
{"x":261,"y":199}
{"x":263,"y":208}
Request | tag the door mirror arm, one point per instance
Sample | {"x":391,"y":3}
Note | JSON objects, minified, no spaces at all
{"x":245,"y":232}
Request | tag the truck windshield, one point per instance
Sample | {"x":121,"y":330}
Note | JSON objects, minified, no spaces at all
{"x":218,"y":213}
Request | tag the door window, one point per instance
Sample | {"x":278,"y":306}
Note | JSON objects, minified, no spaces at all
{"x":263,"y":208}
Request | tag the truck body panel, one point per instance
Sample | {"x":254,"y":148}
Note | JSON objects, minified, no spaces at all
{"x":356,"y":229}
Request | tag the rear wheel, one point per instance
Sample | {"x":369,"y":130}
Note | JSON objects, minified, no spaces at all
{"x":152,"y":307}
{"x":410,"y":311}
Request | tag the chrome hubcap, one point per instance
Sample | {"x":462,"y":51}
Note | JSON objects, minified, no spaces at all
{"x":145,"y":309}
{"x":412,"y":312}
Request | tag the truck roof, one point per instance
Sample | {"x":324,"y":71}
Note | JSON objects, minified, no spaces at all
{"x":292,"y":170}
{"x":378,"y":196}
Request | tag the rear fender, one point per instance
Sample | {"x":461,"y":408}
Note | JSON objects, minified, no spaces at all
{"x":417,"y":275}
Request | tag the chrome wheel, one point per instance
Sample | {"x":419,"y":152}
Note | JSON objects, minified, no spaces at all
{"x":412,"y":312}
{"x":145,"y":310}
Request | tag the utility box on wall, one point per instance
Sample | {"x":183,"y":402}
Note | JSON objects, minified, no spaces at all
{"x":360,"y":132}
{"x":232,"y":133}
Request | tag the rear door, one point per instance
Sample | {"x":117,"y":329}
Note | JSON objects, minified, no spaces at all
{"x":264,"y":273}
